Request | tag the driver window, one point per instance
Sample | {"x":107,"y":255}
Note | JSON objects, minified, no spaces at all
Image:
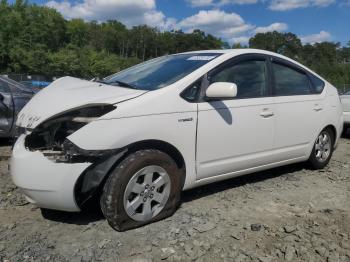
{"x":249,"y":76}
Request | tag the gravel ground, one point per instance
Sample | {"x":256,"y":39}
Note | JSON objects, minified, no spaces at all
{"x":285,"y":214}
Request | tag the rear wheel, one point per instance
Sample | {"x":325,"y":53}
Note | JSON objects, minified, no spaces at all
{"x":145,"y":187}
{"x":323,"y":149}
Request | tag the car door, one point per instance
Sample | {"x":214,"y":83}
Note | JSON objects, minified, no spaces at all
{"x":298,"y":109}
{"x":6,"y":109}
{"x":236,"y":134}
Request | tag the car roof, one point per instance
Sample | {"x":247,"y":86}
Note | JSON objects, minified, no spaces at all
{"x":241,"y":51}
{"x":238,"y":51}
{"x":229,"y":51}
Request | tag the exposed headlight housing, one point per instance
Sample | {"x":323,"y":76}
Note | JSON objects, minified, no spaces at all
{"x":50,"y":136}
{"x":72,"y":153}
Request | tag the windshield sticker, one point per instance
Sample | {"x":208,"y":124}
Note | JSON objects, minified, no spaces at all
{"x":201,"y":58}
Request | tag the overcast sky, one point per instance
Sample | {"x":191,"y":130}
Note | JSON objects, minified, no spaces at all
{"x":232,"y":20}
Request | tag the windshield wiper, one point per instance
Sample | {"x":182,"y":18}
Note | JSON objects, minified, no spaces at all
{"x":121,"y":83}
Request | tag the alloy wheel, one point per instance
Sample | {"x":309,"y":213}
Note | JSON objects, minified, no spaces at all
{"x":147,"y":193}
{"x":323,"y":147}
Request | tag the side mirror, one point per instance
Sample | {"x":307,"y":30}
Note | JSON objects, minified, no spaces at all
{"x":221,"y":90}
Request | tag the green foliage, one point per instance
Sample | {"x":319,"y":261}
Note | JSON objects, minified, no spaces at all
{"x":38,"y":40}
{"x":77,"y":32}
{"x":285,"y":43}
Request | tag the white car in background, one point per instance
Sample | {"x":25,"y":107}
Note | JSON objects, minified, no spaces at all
{"x":345,"y":100}
{"x":140,"y":137}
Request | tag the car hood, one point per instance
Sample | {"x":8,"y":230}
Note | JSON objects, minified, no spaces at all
{"x":68,"y":93}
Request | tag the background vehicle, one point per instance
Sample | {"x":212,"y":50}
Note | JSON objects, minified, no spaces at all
{"x":37,"y":85}
{"x":13,"y":97}
{"x":173,"y":123}
{"x":345,"y":100}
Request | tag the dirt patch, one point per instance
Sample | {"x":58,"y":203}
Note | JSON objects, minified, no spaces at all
{"x":284,"y":214}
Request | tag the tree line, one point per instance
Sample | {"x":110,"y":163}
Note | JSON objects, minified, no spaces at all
{"x":38,"y":40}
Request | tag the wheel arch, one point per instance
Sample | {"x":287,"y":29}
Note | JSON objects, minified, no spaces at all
{"x":160,"y":145}
{"x":334,"y":130}
{"x":92,"y":180}
{"x":330,"y":127}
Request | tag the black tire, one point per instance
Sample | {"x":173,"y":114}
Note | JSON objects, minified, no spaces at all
{"x":112,"y":197}
{"x":313,"y":161}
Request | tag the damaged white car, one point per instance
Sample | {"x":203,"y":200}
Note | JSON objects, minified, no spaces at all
{"x":141,"y":136}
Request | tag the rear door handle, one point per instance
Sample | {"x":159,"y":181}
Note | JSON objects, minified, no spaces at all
{"x":318,"y":108}
{"x":266,"y":113}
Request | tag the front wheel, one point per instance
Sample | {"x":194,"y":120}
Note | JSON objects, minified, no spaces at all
{"x":145,"y":187}
{"x":322,"y":150}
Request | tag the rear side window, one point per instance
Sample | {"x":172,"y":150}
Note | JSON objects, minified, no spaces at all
{"x":289,"y":81}
{"x":317,"y":84}
{"x":249,"y":76}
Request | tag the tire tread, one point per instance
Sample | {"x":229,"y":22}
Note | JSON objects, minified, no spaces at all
{"x":107,"y":201}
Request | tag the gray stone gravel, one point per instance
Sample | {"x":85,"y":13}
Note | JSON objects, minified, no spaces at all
{"x":285,"y":214}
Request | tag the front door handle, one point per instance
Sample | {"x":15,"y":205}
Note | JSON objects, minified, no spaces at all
{"x":266,"y":113}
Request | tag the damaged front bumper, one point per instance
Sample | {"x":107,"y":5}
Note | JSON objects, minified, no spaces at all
{"x":45,"y":183}
{"x":52,"y":171}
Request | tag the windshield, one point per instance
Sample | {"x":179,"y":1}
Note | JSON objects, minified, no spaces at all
{"x":16,"y":84}
{"x":160,"y":72}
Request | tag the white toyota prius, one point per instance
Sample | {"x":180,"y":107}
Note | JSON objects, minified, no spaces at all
{"x":141,"y":136}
